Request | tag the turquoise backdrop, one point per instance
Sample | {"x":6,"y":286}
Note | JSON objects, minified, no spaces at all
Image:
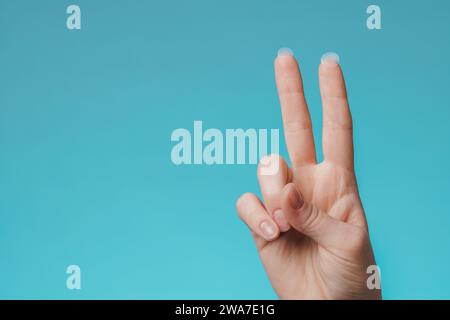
{"x":86,"y":117}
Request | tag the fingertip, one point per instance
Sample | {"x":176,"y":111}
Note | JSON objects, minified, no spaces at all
{"x":330,"y":74}
{"x":281,"y":220}
{"x":252,"y":212}
{"x":330,"y":63}
{"x":272,"y":165}
{"x":286,"y":190}
{"x":266,"y":161}
{"x":243,"y":200}
{"x":330,"y":60}
{"x":285,"y":62}
{"x":284,"y":198}
{"x":285,"y":51}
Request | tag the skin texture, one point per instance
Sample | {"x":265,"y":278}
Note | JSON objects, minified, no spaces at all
{"x":310,"y":230}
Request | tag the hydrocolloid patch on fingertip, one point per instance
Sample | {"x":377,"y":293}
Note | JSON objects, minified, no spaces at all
{"x":330,"y":59}
{"x":285,"y":52}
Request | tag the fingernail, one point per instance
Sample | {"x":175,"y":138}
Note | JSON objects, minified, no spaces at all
{"x":268,"y":230}
{"x":285,"y":52}
{"x":280,"y":218}
{"x":295,"y":199}
{"x":330,"y":59}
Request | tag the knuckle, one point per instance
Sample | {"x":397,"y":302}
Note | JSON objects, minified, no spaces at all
{"x":310,"y":218}
{"x":359,"y":240}
{"x":291,"y":91}
{"x":295,"y":126}
{"x":339,"y":125}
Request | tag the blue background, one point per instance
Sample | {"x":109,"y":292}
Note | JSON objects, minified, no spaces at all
{"x":86,"y":118}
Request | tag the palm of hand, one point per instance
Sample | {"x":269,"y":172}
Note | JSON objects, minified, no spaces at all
{"x":322,"y":273}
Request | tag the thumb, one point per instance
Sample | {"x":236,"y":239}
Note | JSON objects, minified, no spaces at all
{"x":309,"y":220}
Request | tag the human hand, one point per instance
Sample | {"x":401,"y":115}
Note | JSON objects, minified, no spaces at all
{"x":311,"y":232}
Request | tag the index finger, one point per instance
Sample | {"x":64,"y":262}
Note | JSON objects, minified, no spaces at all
{"x":295,"y":114}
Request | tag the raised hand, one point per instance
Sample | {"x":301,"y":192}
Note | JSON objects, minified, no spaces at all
{"x":311,"y":231}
